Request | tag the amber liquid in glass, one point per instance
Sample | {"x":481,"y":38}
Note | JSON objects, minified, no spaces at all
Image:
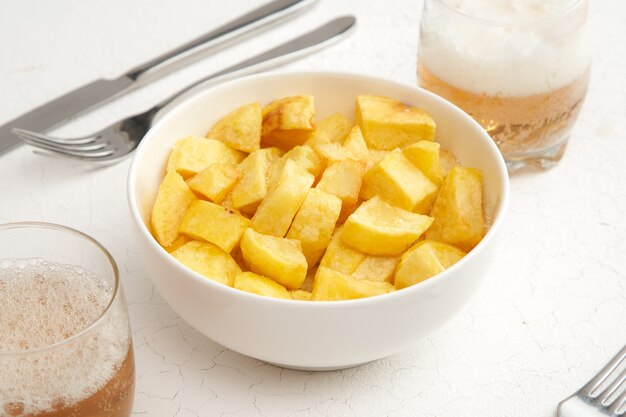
{"x":64,"y":351}
{"x":518,"y":124}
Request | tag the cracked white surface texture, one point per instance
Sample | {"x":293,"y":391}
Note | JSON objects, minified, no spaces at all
{"x":552,"y":311}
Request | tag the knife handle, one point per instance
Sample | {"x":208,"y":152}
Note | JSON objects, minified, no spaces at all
{"x":219,"y":38}
{"x":310,"y":42}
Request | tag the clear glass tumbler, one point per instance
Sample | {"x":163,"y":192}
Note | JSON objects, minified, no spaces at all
{"x":65,"y":339}
{"x":520,"y":68}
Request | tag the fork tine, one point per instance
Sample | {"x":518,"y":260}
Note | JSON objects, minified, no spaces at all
{"x":63,"y":147}
{"x":618,"y":404}
{"x":604,"y":396}
{"x":595,"y":382}
{"x":84,"y":154}
{"x":43,"y":137}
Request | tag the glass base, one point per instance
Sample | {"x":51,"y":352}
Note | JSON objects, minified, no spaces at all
{"x":543,"y":159}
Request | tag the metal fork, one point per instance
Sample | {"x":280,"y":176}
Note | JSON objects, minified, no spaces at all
{"x":119,"y":139}
{"x":610,"y":401}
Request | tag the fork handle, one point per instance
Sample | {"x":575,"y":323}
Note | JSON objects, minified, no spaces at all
{"x":310,"y":42}
{"x":212,"y":41}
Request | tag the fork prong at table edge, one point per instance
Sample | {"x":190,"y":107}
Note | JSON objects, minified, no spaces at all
{"x":105,"y":160}
{"x":87,"y":147}
{"x":596,"y":381}
{"x":606,"y":393}
{"x":84,"y":155}
{"x":61,"y":140}
{"x":618,"y":403}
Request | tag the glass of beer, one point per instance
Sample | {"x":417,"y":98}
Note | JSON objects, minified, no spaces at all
{"x":519,"y":68}
{"x":65,"y":340}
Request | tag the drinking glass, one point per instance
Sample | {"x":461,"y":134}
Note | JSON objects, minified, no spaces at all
{"x":65,"y":339}
{"x":520,"y":68}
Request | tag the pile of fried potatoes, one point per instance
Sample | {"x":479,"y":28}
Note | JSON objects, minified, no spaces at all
{"x":277,"y":204}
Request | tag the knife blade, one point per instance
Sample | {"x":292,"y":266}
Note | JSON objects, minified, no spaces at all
{"x":98,"y":92}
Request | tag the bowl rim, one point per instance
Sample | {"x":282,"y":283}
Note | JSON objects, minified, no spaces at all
{"x":498,"y":218}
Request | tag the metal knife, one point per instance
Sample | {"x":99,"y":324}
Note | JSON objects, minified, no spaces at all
{"x":98,"y":92}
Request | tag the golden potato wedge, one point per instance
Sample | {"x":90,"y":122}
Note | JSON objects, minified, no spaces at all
{"x":288,"y":122}
{"x":396,"y":180}
{"x":211,"y":222}
{"x":331,"y":285}
{"x":308,"y":159}
{"x":343,"y":179}
{"x":389,"y":124}
{"x":458,"y":209}
{"x":194,"y":153}
{"x":424,"y":260}
{"x":278,"y":258}
{"x":333,"y":128}
{"x":378,"y":228}
{"x":377,"y":268}
{"x":304,"y":156}
{"x":178,"y":242}
{"x":341,"y":257}
{"x":260,"y":285}
{"x":332,"y":152}
{"x":208,"y":260}
{"x":240,"y":129}
{"x":447,"y":160}
{"x":354,"y":147}
{"x":301,"y":295}
{"x":214,"y":182}
{"x":278,"y":208}
{"x":307,"y":284}
{"x":238,"y":257}
{"x":374,"y":156}
{"x":248,"y":193}
{"x":425,"y":155}
{"x":172,"y":200}
{"x":314,"y":223}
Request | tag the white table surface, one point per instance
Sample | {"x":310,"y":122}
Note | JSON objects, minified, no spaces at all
{"x":551,"y":313}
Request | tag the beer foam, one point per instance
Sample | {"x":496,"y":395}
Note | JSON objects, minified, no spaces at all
{"x":491,"y":47}
{"x":44,"y":303}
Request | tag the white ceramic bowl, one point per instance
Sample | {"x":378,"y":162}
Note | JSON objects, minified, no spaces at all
{"x":314,"y":335}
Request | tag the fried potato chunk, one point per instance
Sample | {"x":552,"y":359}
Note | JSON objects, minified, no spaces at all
{"x":354,"y":147}
{"x":278,"y":258}
{"x":331,"y":129}
{"x":194,"y":153}
{"x":389,"y":124}
{"x":378,"y":228}
{"x":314,"y":223}
{"x":260,"y":285}
{"x":447,"y":160}
{"x":458,"y":209}
{"x":240,"y":129}
{"x":211,"y":222}
{"x":248,"y":193}
{"x":425,"y":155}
{"x":288,"y":122}
{"x":341,"y":257}
{"x":278,"y":208}
{"x":301,"y":295}
{"x":343,"y":179}
{"x":173,"y":199}
{"x":377,"y":268}
{"x":304,"y":156}
{"x":178,"y":242}
{"x":332,"y":285}
{"x":424,"y":260}
{"x":396,"y":180}
{"x":208,"y":260}
{"x":215,"y":181}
